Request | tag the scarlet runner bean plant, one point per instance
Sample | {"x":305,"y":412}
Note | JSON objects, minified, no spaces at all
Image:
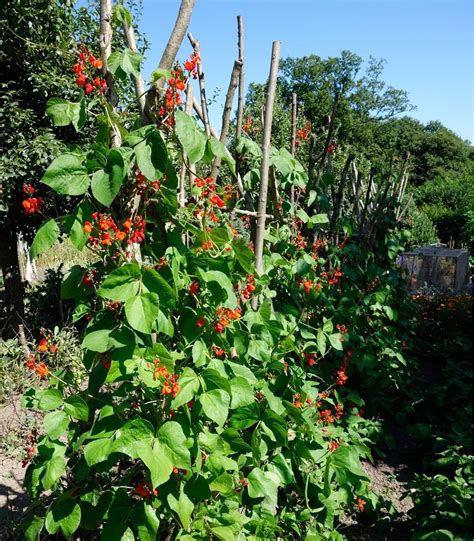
{"x":201,"y":418}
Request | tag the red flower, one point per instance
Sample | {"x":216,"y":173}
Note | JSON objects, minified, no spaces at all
{"x":43,"y":345}
{"x":201,"y":322}
{"x":219,"y":327}
{"x":194,"y":288}
{"x":42,"y":370}
{"x":88,"y":88}
{"x":216,"y":200}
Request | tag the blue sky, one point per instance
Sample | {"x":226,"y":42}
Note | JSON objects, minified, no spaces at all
{"x":428,"y":44}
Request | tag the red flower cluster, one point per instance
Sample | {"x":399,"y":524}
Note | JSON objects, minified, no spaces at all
{"x":218,"y":351}
{"x":310,"y":358}
{"x":104,"y":231}
{"x":303,"y":135}
{"x":30,"y":449}
{"x":87,"y":81}
{"x":32,"y":204}
{"x":341,"y":376}
{"x":191,"y":65}
{"x":44,"y":345}
{"x":170,"y":385}
{"x":28,"y":189}
{"x":175,"y":85}
{"x":336,"y":277}
{"x":249,"y":288}
{"x":145,"y":490}
{"x":342,"y":329}
{"x":226,"y":315}
{"x":41,"y":369}
{"x":143,"y":184}
{"x":331,"y":148}
{"x":297,"y":400}
{"x":194,"y":288}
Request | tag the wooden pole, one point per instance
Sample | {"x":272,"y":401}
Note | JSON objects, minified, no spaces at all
{"x":137,"y":79}
{"x":267,"y":131}
{"x":240,"y":98}
{"x":226,"y":114}
{"x":202,"y":85}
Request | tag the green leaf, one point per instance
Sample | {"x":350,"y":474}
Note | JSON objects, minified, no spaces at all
{"x":106,"y":184}
{"x":64,"y":514}
{"x":76,"y":407}
{"x":151,"y":155}
{"x":244,"y":255}
{"x":156,"y":458}
{"x":200,"y":353}
{"x":260,"y":484}
{"x":215,"y":405}
{"x":130,"y":437}
{"x":183,"y":507}
{"x":55,"y":424}
{"x":50,"y":399}
{"x":63,"y":112}
{"x":122,"y":14}
{"x":153,"y":282}
{"x":225,"y":283}
{"x":97,"y":451}
{"x":192,"y":139}
{"x":319,"y":219}
{"x":54,"y":468}
{"x":321,"y":341}
{"x":98,"y":332}
{"x":32,"y":527}
{"x":147,"y":521}
{"x":121,"y":284}
{"x":220,"y":151}
{"x":189,"y":386}
{"x":45,"y":237}
{"x":75,"y":223}
{"x":335,"y":341}
{"x":67,"y":176}
{"x":125,"y":62}
{"x":172,"y":436}
{"x":242,"y":393}
{"x":142,"y":311}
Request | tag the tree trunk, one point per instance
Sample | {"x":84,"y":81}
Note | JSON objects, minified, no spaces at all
{"x":15,"y":310}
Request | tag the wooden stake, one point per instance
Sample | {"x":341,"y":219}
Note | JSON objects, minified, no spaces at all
{"x":226,"y":114}
{"x":267,"y":131}
{"x":105,"y":47}
{"x":240,"y":97}
{"x":169,"y":54}
{"x":202,"y":85}
{"x":137,"y":79}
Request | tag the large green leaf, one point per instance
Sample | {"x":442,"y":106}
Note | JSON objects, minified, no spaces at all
{"x":225,"y":283}
{"x":192,"y":139}
{"x":67,"y":176}
{"x":106,"y":183}
{"x":142,"y":311}
{"x":122,"y":283}
{"x":152,"y":155}
{"x":45,"y":237}
{"x":172,"y":436}
{"x":55,"y":424}
{"x":147,"y":521}
{"x":183,"y":507}
{"x":64,"y":514}
{"x":53,"y":470}
{"x":155,"y":283}
{"x":189,"y":385}
{"x":50,"y":399}
{"x":75,"y":223}
{"x":125,"y":62}
{"x":130,"y":436}
{"x":261,"y":484}
{"x":215,"y":405}
{"x":242,"y":392}
{"x":63,"y":112}
{"x":97,"y":451}
{"x":76,"y":407}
